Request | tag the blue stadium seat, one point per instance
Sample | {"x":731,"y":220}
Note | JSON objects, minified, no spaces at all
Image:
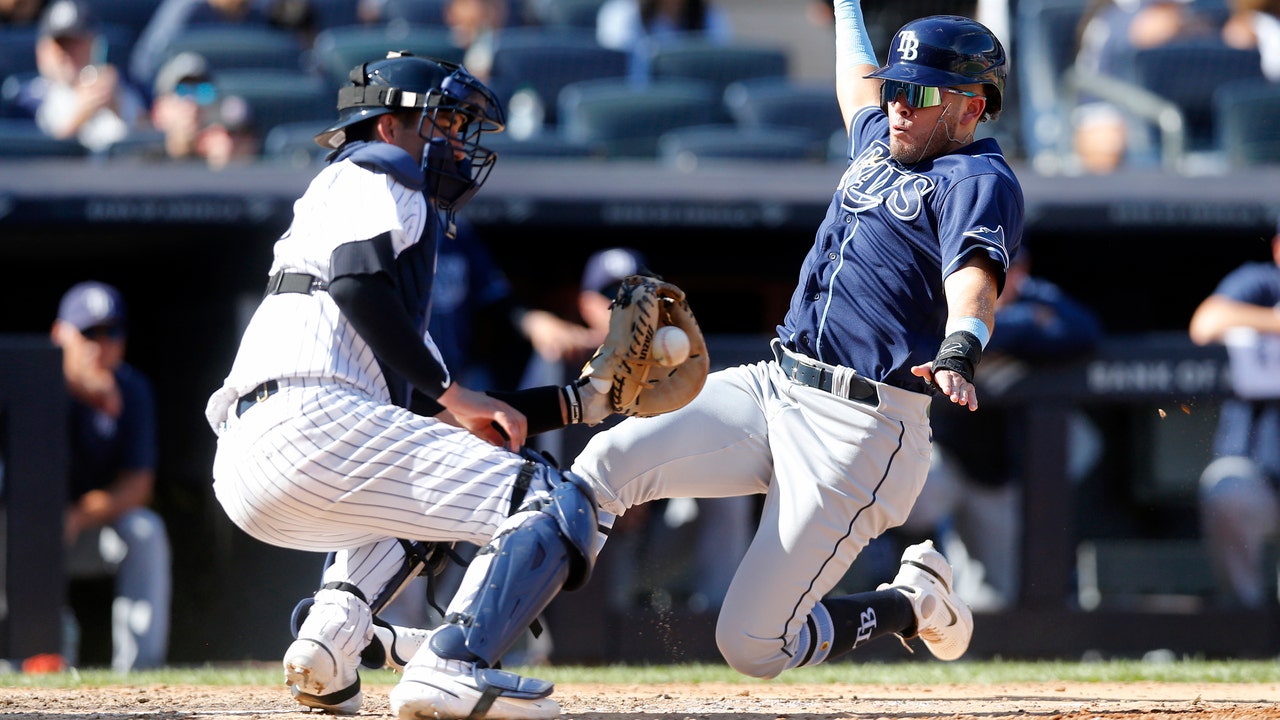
{"x":774,"y":102}
{"x":415,"y":12}
{"x":1247,"y":122}
{"x":335,"y":13}
{"x":625,"y":120}
{"x":688,"y":147}
{"x":21,"y":138}
{"x":574,"y":14}
{"x":293,"y":143}
{"x":696,"y":58}
{"x":280,"y":96}
{"x":544,"y":61}
{"x":337,"y":50}
{"x":231,"y":47}
{"x":17,"y":50}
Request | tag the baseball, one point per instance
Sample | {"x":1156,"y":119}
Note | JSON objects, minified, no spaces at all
{"x":670,"y":346}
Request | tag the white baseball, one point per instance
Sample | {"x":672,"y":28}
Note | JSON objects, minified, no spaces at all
{"x":670,"y":346}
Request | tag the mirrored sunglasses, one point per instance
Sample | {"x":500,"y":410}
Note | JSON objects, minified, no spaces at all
{"x":203,"y":93}
{"x":917,"y":96}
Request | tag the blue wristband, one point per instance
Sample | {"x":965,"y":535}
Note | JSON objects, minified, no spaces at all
{"x":971,"y":325}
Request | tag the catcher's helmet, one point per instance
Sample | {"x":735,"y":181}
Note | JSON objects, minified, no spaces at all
{"x":402,"y":81}
{"x":947,"y":50}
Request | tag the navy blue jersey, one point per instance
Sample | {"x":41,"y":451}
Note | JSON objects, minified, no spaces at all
{"x":870,"y":291}
{"x":103,"y":446}
{"x":1251,"y":428}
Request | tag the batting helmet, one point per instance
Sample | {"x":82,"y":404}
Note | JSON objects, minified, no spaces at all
{"x":947,"y":50}
{"x":402,"y":81}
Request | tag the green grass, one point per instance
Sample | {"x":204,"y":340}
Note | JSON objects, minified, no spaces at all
{"x":891,"y":673}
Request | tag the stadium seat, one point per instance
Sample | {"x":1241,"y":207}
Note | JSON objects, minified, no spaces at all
{"x":688,"y":147}
{"x":21,"y":138}
{"x":545,"y":61}
{"x":335,"y":13}
{"x":773,"y":102}
{"x":1047,"y":29}
{"x":293,"y":143}
{"x":626,"y":120}
{"x":230,"y":47}
{"x":17,"y":50}
{"x":1248,"y":122}
{"x":696,"y":58}
{"x":280,"y":96}
{"x":337,"y":50}
{"x":415,"y":12}
{"x":578,"y":14}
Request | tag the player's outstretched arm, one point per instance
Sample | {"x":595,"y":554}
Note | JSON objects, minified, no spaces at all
{"x":855,"y":58}
{"x":971,"y":298}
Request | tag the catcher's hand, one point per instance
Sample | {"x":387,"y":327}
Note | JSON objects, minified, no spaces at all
{"x":623,"y":370}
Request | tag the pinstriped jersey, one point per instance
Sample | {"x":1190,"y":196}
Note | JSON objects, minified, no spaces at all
{"x":870,"y":292}
{"x":305,"y":336}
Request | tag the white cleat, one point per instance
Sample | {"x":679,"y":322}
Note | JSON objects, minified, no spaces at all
{"x":318,"y":678}
{"x":393,"y":646}
{"x":943,"y":621}
{"x":433,"y":694}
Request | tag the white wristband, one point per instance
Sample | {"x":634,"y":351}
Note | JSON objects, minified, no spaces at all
{"x":973,"y":326}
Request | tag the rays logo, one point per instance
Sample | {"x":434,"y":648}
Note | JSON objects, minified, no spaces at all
{"x":873,"y":180}
{"x":908,"y":45}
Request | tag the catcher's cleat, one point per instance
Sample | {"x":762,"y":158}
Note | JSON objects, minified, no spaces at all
{"x":393,"y":645}
{"x":452,"y":689}
{"x":321,"y":679}
{"x":943,"y":621}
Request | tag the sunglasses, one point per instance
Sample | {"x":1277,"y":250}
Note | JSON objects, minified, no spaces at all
{"x":103,"y":332}
{"x":203,"y":93}
{"x":917,"y":96}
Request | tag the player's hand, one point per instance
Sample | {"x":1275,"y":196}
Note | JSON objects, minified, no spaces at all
{"x":949,"y":383}
{"x":486,"y":417}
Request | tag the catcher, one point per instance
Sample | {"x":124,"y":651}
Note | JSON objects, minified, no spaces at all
{"x":341,"y":431}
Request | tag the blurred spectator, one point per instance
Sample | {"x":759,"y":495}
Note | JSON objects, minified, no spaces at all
{"x":973,"y":498}
{"x":78,"y":94}
{"x":183,"y":93}
{"x":229,"y":135}
{"x":1256,"y":24}
{"x":634,"y":25}
{"x":474,"y":25}
{"x":20,"y":12}
{"x":109,"y":528}
{"x":1104,"y":134}
{"x":1239,"y":504}
{"x":172,"y":17}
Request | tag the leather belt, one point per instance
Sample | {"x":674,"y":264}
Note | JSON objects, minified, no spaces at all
{"x":255,"y":396}
{"x":807,"y":371}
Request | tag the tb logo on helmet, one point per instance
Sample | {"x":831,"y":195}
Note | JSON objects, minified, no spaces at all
{"x":908,"y":45}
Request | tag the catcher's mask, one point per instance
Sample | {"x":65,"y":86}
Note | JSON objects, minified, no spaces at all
{"x":456,"y":110}
{"x":948,"y":50}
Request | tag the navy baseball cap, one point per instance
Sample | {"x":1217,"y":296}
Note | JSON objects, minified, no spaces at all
{"x":606,"y":268}
{"x":66,"y":18}
{"x":92,"y":304}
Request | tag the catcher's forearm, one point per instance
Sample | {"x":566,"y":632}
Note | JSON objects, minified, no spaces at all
{"x":543,"y":407}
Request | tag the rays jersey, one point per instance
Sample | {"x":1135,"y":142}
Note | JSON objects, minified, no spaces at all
{"x":299,"y":336}
{"x":870,"y":293}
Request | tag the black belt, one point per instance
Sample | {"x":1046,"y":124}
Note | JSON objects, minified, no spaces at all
{"x":822,"y":376}
{"x":256,"y":395}
{"x":286,"y":282}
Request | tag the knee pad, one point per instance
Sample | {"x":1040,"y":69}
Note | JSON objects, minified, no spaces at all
{"x":548,"y":545}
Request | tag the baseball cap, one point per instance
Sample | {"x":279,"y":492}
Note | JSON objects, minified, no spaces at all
{"x":66,"y":18}
{"x":605,"y":268}
{"x":182,"y":69}
{"x":90,"y":304}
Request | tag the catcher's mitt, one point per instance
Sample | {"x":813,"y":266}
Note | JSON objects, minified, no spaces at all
{"x":623,"y":367}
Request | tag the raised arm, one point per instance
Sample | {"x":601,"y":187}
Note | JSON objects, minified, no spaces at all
{"x":855,"y":58}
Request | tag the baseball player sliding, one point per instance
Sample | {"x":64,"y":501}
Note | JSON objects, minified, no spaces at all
{"x":894,"y":301}
{"x":341,"y":431}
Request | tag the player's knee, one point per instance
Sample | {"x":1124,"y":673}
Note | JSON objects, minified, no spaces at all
{"x":752,"y":656}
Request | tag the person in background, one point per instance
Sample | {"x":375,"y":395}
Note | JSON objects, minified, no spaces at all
{"x":1104,"y":136}
{"x":474,"y":26}
{"x":109,"y":526}
{"x":1256,"y":24}
{"x":1239,"y":503}
{"x":16,"y":13}
{"x":78,"y":94}
{"x":181,"y":96}
{"x":229,"y":135}
{"x":634,"y":26}
{"x":972,"y":500}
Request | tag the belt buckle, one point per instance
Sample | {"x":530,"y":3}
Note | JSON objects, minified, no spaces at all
{"x":262,"y":392}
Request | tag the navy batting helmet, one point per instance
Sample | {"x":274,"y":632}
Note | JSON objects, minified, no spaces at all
{"x":402,"y":81}
{"x":948,"y":50}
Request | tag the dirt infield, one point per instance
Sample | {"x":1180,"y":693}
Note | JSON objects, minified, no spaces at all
{"x":1050,"y":701}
